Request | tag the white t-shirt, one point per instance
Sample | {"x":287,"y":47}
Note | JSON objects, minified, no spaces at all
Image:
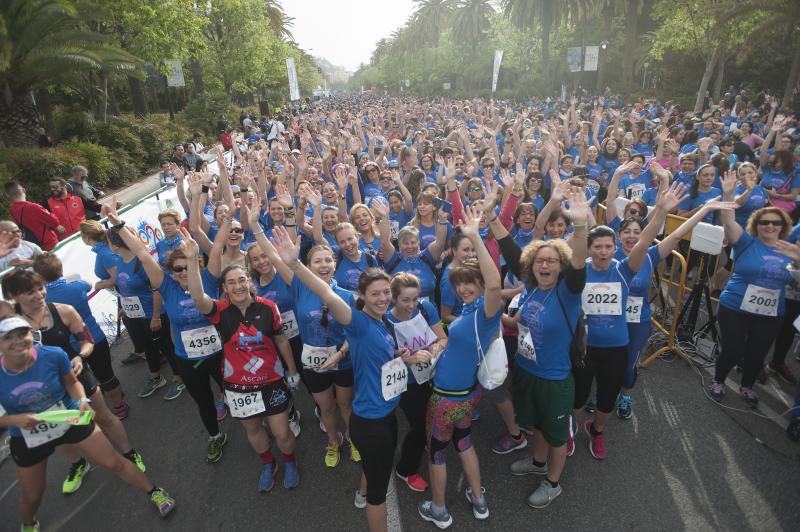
{"x":25,"y":250}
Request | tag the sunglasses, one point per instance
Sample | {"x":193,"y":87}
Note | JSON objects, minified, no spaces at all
{"x":460,"y":164}
{"x":776,"y":223}
{"x":386,"y":178}
{"x":488,"y":166}
{"x":634,"y":211}
{"x":179,"y":269}
{"x":237,"y":230}
{"x":474,"y":189}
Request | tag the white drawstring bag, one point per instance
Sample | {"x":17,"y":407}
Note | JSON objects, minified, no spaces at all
{"x":493,"y":364}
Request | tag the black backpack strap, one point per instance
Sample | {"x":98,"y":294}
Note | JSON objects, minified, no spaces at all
{"x":393,"y":262}
{"x":370,"y":260}
{"x":390,"y":327}
{"x":428,"y":262}
{"x":564,"y":312}
{"x":422,"y":310}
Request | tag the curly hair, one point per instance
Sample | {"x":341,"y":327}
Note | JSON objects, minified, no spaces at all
{"x":531,"y":250}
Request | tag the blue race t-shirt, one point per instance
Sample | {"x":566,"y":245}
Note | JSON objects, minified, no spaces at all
{"x":309,"y":310}
{"x":634,"y":187}
{"x":371,"y":346}
{"x":608,"y":288}
{"x":457,"y":368}
{"x":134,"y":287}
{"x":756,"y":267}
{"x":183,"y":313}
{"x":165,"y":246}
{"x":447,"y":294}
{"x":105,"y":260}
{"x":278,"y":291}
{"x":639,"y":286}
{"x":37,"y":388}
{"x":420,"y":266}
{"x":348,"y":272}
{"x":689,"y":203}
{"x":541,"y":316}
{"x":757,"y":199}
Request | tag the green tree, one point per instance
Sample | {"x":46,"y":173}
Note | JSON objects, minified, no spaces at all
{"x":429,"y":20}
{"x":46,"y":42}
{"x":470,"y":21}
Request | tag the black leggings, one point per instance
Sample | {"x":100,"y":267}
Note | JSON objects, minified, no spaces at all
{"x":414,"y":403}
{"x":196,"y":375}
{"x":606,"y":364}
{"x":744,"y":337}
{"x":376,"y":439}
{"x":155,"y":342}
{"x":100,"y":362}
{"x":786,"y":335}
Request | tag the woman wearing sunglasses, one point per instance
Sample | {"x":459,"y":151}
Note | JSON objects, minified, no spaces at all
{"x":326,"y":364}
{"x":198,"y":349}
{"x":753,"y":302}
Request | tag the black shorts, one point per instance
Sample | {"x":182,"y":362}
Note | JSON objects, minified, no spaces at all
{"x":376,"y":439}
{"x":25,"y":457}
{"x":88,"y":380}
{"x":319,"y":382}
{"x":276,"y":397}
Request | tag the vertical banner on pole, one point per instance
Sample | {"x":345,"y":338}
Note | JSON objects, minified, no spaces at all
{"x":498,"y":58}
{"x":175,"y":74}
{"x":590,"y":58}
{"x":574,"y":58}
{"x":294,"y":90}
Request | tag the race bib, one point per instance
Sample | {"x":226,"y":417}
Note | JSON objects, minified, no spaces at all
{"x":759,"y":300}
{"x":636,"y":190}
{"x":394,"y":227}
{"x":290,"y":327}
{"x":633,"y":311}
{"x":313,"y":357}
{"x":415,"y":334}
{"x":525,"y":344}
{"x":423,"y":371}
{"x":44,"y":432}
{"x":394,"y":378}
{"x":132,"y":307}
{"x":602,"y":299}
{"x":245,"y":404}
{"x":201,"y":342}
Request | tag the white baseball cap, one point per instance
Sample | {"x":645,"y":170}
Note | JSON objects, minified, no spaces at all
{"x":12,"y":324}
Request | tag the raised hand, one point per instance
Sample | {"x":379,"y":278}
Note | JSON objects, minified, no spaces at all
{"x":578,"y":209}
{"x":287,"y":249}
{"x":379,"y":210}
{"x":188,"y":245}
{"x":673,"y":196}
{"x":505,"y":176}
{"x":311,"y":195}
{"x":490,"y":193}
{"x":472,"y":221}
{"x":790,"y":250}
{"x":728,"y":183}
{"x":283,"y":196}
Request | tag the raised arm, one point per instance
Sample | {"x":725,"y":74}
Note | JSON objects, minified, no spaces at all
{"x":670,"y":241}
{"x":289,"y":252}
{"x":613,"y":190}
{"x":178,"y":173}
{"x":493,"y":300}
{"x":381,"y":213}
{"x":190,"y":248}
{"x":668,"y":201}
{"x":557,"y":194}
{"x":267,"y":247}
{"x":579,"y":212}
{"x":195,"y":215}
{"x":733,"y":231}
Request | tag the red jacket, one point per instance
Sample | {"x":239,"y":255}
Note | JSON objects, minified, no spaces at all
{"x":225,"y":140}
{"x":69,"y":211}
{"x":38,"y":221}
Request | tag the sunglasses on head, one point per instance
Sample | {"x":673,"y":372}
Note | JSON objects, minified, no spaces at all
{"x":237,"y":230}
{"x":776,"y":223}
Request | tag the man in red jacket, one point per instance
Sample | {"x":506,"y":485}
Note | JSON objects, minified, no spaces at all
{"x":41,"y":226}
{"x":68,"y":208}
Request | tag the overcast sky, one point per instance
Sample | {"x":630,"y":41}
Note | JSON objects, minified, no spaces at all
{"x":345,"y":31}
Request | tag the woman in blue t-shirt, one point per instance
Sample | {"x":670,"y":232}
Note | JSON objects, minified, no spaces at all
{"x":455,"y":386}
{"x":381,"y":375}
{"x":749,"y":194}
{"x":702,"y":191}
{"x":36,"y":379}
{"x":752,"y":304}
{"x":351,"y":260}
{"x":417,"y":327}
{"x":543,"y":388}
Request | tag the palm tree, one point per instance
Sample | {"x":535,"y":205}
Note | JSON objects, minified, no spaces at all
{"x":429,"y":20}
{"x":279,"y":21}
{"x":45,"y":43}
{"x":470,"y":21}
{"x":780,"y":16}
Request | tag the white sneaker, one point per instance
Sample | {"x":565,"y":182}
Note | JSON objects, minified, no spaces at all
{"x":294,"y":423}
{"x":360,"y":501}
{"x":321,"y":424}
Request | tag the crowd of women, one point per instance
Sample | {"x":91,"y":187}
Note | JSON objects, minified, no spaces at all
{"x":377,"y":254}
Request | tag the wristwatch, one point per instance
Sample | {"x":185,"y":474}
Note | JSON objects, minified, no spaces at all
{"x":85,"y":400}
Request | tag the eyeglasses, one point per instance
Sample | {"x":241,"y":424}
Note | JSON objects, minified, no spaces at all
{"x":179,"y":269}
{"x":488,"y":166}
{"x":460,"y":164}
{"x":474,"y":189}
{"x":550,"y":261}
{"x":237,"y":230}
{"x":635,"y":212}
{"x":776,"y":223}
{"x":386,"y":178}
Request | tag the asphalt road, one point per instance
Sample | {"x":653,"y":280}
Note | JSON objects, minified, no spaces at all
{"x":681,"y":463}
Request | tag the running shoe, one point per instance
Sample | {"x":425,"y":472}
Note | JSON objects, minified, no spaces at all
{"x":442,"y":521}
{"x":74,"y":479}
{"x":782,"y":371}
{"x":321,"y":424}
{"x":294,"y":423}
{"x":793,"y":430}
{"x":174,"y":390}
{"x":132,"y":358}
{"x":291,"y":477}
{"x":360,"y":501}
{"x":476,"y":414}
{"x":122,"y":410}
{"x":267,"y":479}
{"x":573,"y":428}
{"x":164,"y":503}
{"x":222,"y":409}
{"x":152,"y":385}
{"x":355,"y":456}
{"x":414,"y":482}
{"x":5,"y":447}
{"x":717,"y":391}
{"x":591,"y":406}
{"x":35,"y":527}
{"x":597,"y":444}
{"x":134,"y":456}
{"x":507,"y":443}
{"x":749,"y":396}
{"x":544,"y":495}
{"x":479,"y":508}
{"x":624,"y":406}
{"x":332,"y":452}
{"x":215,"y":445}
{"x":525,"y":466}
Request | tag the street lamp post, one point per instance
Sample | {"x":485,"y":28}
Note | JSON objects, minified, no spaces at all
{"x":603,"y":47}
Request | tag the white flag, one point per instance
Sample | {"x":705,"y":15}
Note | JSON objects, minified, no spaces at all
{"x":498,"y":58}
{"x":294,"y":90}
{"x":590,"y":58}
